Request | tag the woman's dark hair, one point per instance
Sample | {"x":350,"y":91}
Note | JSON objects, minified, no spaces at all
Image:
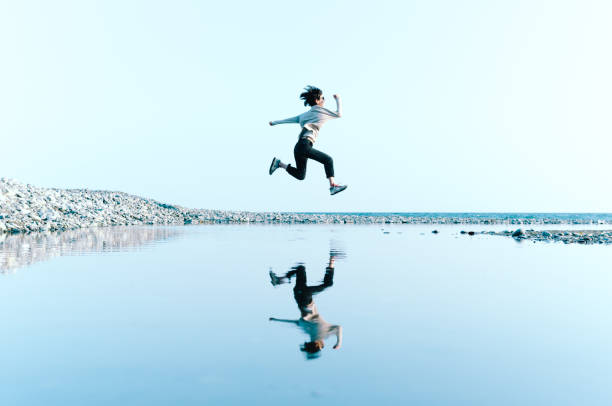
{"x":311,"y":95}
{"x":312,"y":347}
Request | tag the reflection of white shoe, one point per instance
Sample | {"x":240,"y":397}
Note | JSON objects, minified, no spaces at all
{"x":336,"y":254}
{"x":274,"y":165}
{"x":274,"y":280}
{"x":337,"y":189}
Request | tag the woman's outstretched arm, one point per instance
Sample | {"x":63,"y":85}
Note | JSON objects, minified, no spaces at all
{"x":338,"y":112}
{"x":284,"y":320}
{"x":338,"y":105}
{"x":295,"y":119}
{"x":338,"y":337}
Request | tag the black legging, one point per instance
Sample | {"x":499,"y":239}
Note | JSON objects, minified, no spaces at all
{"x":304,"y":150}
{"x":302,"y":292}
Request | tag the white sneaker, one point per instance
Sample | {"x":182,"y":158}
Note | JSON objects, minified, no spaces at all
{"x":337,"y":189}
{"x":274,"y":165}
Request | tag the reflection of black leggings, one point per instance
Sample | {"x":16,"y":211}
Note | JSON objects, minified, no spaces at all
{"x":304,"y":150}
{"x":303,"y":293}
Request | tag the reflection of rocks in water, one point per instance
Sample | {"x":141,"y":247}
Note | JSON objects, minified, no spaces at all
{"x":19,"y":250}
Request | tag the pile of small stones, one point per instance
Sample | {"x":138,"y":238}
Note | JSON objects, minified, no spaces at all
{"x":564,"y":236}
{"x":25,"y":208}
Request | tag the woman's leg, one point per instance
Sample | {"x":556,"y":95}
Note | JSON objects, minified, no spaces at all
{"x":327,"y":162}
{"x":300,"y":272}
{"x":301,"y":293}
{"x":300,"y":152}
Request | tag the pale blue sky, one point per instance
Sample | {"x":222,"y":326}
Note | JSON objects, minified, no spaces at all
{"x":448,"y":106}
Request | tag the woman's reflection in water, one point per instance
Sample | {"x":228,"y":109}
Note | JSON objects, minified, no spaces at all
{"x":310,"y":321}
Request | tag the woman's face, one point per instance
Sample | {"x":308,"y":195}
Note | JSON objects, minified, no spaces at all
{"x":321,"y":101}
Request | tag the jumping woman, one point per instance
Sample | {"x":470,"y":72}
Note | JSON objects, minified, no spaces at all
{"x":311,"y":122}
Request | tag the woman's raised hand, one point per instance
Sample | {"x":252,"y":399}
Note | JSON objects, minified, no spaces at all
{"x":336,"y":96}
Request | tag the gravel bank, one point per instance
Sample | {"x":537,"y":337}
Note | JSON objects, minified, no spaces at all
{"x":26,"y":208}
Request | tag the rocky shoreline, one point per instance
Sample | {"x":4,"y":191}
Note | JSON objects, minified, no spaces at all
{"x":25,"y":208}
{"x":564,"y":236}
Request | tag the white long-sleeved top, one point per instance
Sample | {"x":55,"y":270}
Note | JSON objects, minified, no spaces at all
{"x":315,"y":326}
{"x":313,"y":119}
{"x":319,"y":329}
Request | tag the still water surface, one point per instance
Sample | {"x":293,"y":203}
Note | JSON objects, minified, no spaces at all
{"x":182,"y":315}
